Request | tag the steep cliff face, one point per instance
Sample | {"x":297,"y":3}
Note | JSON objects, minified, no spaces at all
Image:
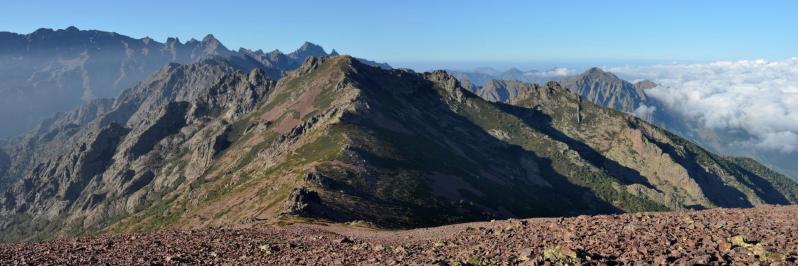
{"x":503,"y":90}
{"x":205,"y":144}
{"x":80,"y":171}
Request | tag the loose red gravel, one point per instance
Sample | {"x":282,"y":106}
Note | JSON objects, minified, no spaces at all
{"x":762,"y":235}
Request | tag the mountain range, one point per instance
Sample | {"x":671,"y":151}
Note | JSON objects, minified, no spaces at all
{"x":607,"y":89}
{"x":51,"y":71}
{"x":243,"y":139}
{"x":483,"y":75}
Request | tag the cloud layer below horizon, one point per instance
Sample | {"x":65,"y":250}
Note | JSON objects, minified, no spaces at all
{"x":758,"y":97}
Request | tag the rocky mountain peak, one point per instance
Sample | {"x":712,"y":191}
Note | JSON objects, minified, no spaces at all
{"x":172,"y":41}
{"x":309,"y":46}
{"x":514,"y":71}
{"x":212,"y":43}
{"x":210,"y":46}
{"x":308,"y":49}
{"x":554,"y":84}
{"x":210,"y":39}
{"x":598,"y":73}
{"x":310,"y":63}
{"x":645,"y":84}
{"x":594,"y":70}
{"x":606,"y":89}
{"x":42,"y":31}
{"x":256,"y":76}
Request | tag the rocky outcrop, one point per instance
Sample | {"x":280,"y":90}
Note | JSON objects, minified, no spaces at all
{"x":96,"y":158}
{"x":504,"y":90}
{"x":645,"y":85}
{"x":169,"y":122}
{"x":304,"y":202}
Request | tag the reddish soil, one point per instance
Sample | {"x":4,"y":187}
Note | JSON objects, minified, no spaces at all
{"x":720,"y":236}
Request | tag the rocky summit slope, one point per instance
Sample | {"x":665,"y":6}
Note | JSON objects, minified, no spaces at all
{"x":764,"y":235}
{"x":205,"y":145}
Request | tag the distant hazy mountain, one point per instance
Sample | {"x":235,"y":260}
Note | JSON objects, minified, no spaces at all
{"x":594,"y":85}
{"x":503,"y":90}
{"x":481,"y":76}
{"x":51,"y":71}
{"x":48,"y":71}
{"x":213,"y":144}
{"x":606,"y":89}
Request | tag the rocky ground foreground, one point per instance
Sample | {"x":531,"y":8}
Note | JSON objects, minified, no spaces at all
{"x":719,"y":236}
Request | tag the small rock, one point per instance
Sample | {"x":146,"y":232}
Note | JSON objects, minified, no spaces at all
{"x":344,"y":240}
{"x":399,"y":249}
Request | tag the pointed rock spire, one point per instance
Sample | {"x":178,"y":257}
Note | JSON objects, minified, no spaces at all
{"x":210,"y":39}
{"x":308,"y":49}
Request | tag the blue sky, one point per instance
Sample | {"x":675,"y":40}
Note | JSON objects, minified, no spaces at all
{"x":446,"y":33}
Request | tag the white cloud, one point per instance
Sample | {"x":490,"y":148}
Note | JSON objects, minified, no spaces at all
{"x":644,"y":111}
{"x":759,"y":97}
{"x":556,"y":72}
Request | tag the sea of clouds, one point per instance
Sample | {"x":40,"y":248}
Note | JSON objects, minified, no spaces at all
{"x":554,"y":73}
{"x":758,"y":97}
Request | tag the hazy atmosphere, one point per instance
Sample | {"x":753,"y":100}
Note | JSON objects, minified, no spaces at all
{"x":421,"y":33}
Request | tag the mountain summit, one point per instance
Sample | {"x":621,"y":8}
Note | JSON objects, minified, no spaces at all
{"x":308,"y":49}
{"x":606,"y":89}
{"x":213,"y":144}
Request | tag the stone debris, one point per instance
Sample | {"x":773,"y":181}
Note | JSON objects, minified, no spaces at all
{"x":764,"y":235}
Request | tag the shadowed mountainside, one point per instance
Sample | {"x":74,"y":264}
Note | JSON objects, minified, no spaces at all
{"x":207,"y":144}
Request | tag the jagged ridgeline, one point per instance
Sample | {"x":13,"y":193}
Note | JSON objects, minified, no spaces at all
{"x":205,"y":144}
{"x":50,"y":71}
